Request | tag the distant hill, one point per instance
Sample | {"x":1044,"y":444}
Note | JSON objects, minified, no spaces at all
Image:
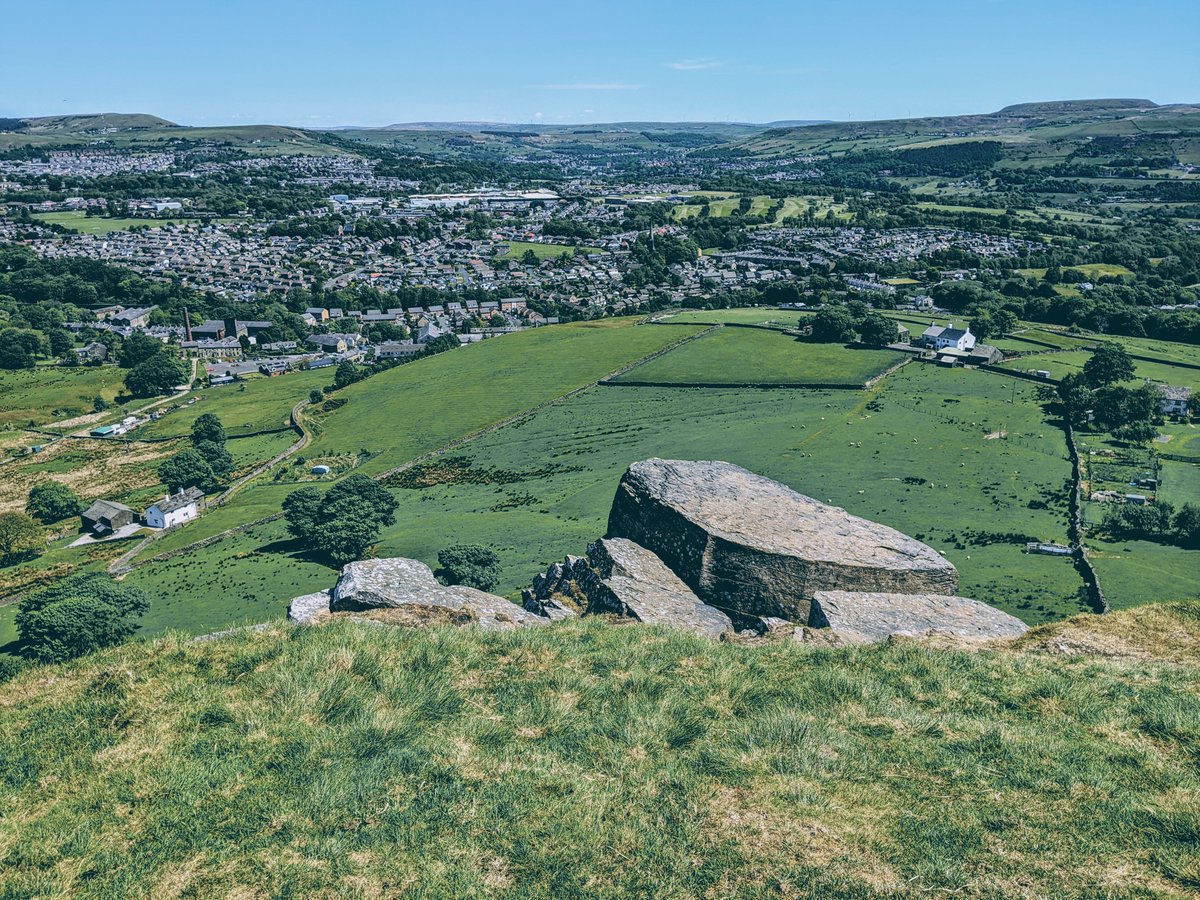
{"x":1026,"y":123}
{"x":86,"y":122}
{"x":1060,"y":107}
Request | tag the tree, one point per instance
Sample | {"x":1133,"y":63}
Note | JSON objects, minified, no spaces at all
{"x":1006,"y":321}
{"x":833,"y":325}
{"x":61,"y":344}
{"x":315,"y":396}
{"x":52,"y":501}
{"x":78,"y":615}
{"x":469,"y":564}
{"x":345,"y":375}
{"x":208,"y":428}
{"x":878,"y":331}
{"x":441,"y":344}
{"x":1116,"y":407}
{"x":187,"y":469}
{"x":1109,"y":364}
{"x":218,"y":458}
{"x":983,"y":326}
{"x":20,"y":537}
{"x":301,"y":511}
{"x":20,"y":347}
{"x":345,"y":522}
{"x":1076,"y":396}
{"x":157,"y":375}
{"x":1187,"y":526}
{"x":138,"y":348}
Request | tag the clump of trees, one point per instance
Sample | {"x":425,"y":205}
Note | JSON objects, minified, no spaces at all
{"x":469,"y":564}
{"x":20,"y":537}
{"x":854,"y":322}
{"x":51,"y":502}
{"x":157,"y":374}
{"x":204,"y":464}
{"x":1158,"y":521}
{"x":342,"y":523}
{"x":78,"y":615}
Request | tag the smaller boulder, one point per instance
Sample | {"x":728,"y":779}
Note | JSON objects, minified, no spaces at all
{"x":629,"y":580}
{"x":861,"y":617}
{"x":409,"y":585}
{"x":309,"y":609}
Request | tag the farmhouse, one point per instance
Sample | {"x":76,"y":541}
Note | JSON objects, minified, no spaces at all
{"x":93,"y":351}
{"x":1174,"y":401}
{"x":105,"y":516}
{"x":175,"y":509}
{"x":937,"y":337}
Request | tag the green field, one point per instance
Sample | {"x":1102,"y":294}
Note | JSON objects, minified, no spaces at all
{"x":765,"y":315}
{"x":757,"y":356}
{"x":517,"y":249}
{"x":86,"y":224}
{"x":414,"y":408}
{"x":1070,"y":362}
{"x":47,"y":392}
{"x":265,"y":403}
{"x":1091,"y":270}
{"x":540,"y":489}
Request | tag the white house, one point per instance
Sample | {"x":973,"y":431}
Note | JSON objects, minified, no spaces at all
{"x":175,"y":509}
{"x":1174,"y":401}
{"x":937,"y":337}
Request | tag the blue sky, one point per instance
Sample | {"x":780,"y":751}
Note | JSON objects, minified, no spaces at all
{"x":375,"y":62}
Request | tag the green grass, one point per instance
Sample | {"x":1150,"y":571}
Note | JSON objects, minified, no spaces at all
{"x":418,"y":407}
{"x":766,"y":315}
{"x":1135,"y":572}
{"x":837,"y":446}
{"x":47,"y":392}
{"x":756,"y":356}
{"x":589,"y":760}
{"x":1091,"y":270}
{"x":517,"y":249}
{"x":265,"y":403}
{"x":85,"y":224}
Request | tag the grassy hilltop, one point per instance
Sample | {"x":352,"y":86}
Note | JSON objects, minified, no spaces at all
{"x":591,"y":759}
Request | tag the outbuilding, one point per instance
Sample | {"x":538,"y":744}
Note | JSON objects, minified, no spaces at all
{"x":105,"y":516}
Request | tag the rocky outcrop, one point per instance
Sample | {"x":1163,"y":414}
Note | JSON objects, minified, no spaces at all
{"x":399,"y":583}
{"x":634,"y":582}
{"x":867,"y":617}
{"x":755,"y":548}
{"x":309,"y":609}
{"x":617,"y":577}
{"x":402,"y":591}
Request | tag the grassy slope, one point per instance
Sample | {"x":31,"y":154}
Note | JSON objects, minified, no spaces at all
{"x":569,"y":458}
{"x":587,"y":759}
{"x":420,"y":406}
{"x":756,"y":356}
{"x":47,"y":392}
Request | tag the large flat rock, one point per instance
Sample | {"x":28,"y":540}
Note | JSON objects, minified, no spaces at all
{"x":754,"y":547}
{"x":634,"y":582}
{"x":408,"y":584}
{"x":867,"y":617}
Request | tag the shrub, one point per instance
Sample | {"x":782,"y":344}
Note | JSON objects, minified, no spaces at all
{"x":469,"y":564}
{"x":78,"y":615}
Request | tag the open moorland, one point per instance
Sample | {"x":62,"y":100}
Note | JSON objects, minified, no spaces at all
{"x":474,"y":763}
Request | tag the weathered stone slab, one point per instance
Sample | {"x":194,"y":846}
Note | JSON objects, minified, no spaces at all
{"x":754,"y":547}
{"x":865,"y":617}
{"x":309,"y":609}
{"x":400,"y":583}
{"x":634,"y":582}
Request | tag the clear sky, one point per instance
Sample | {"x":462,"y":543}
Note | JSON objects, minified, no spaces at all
{"x":374,"y":62}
